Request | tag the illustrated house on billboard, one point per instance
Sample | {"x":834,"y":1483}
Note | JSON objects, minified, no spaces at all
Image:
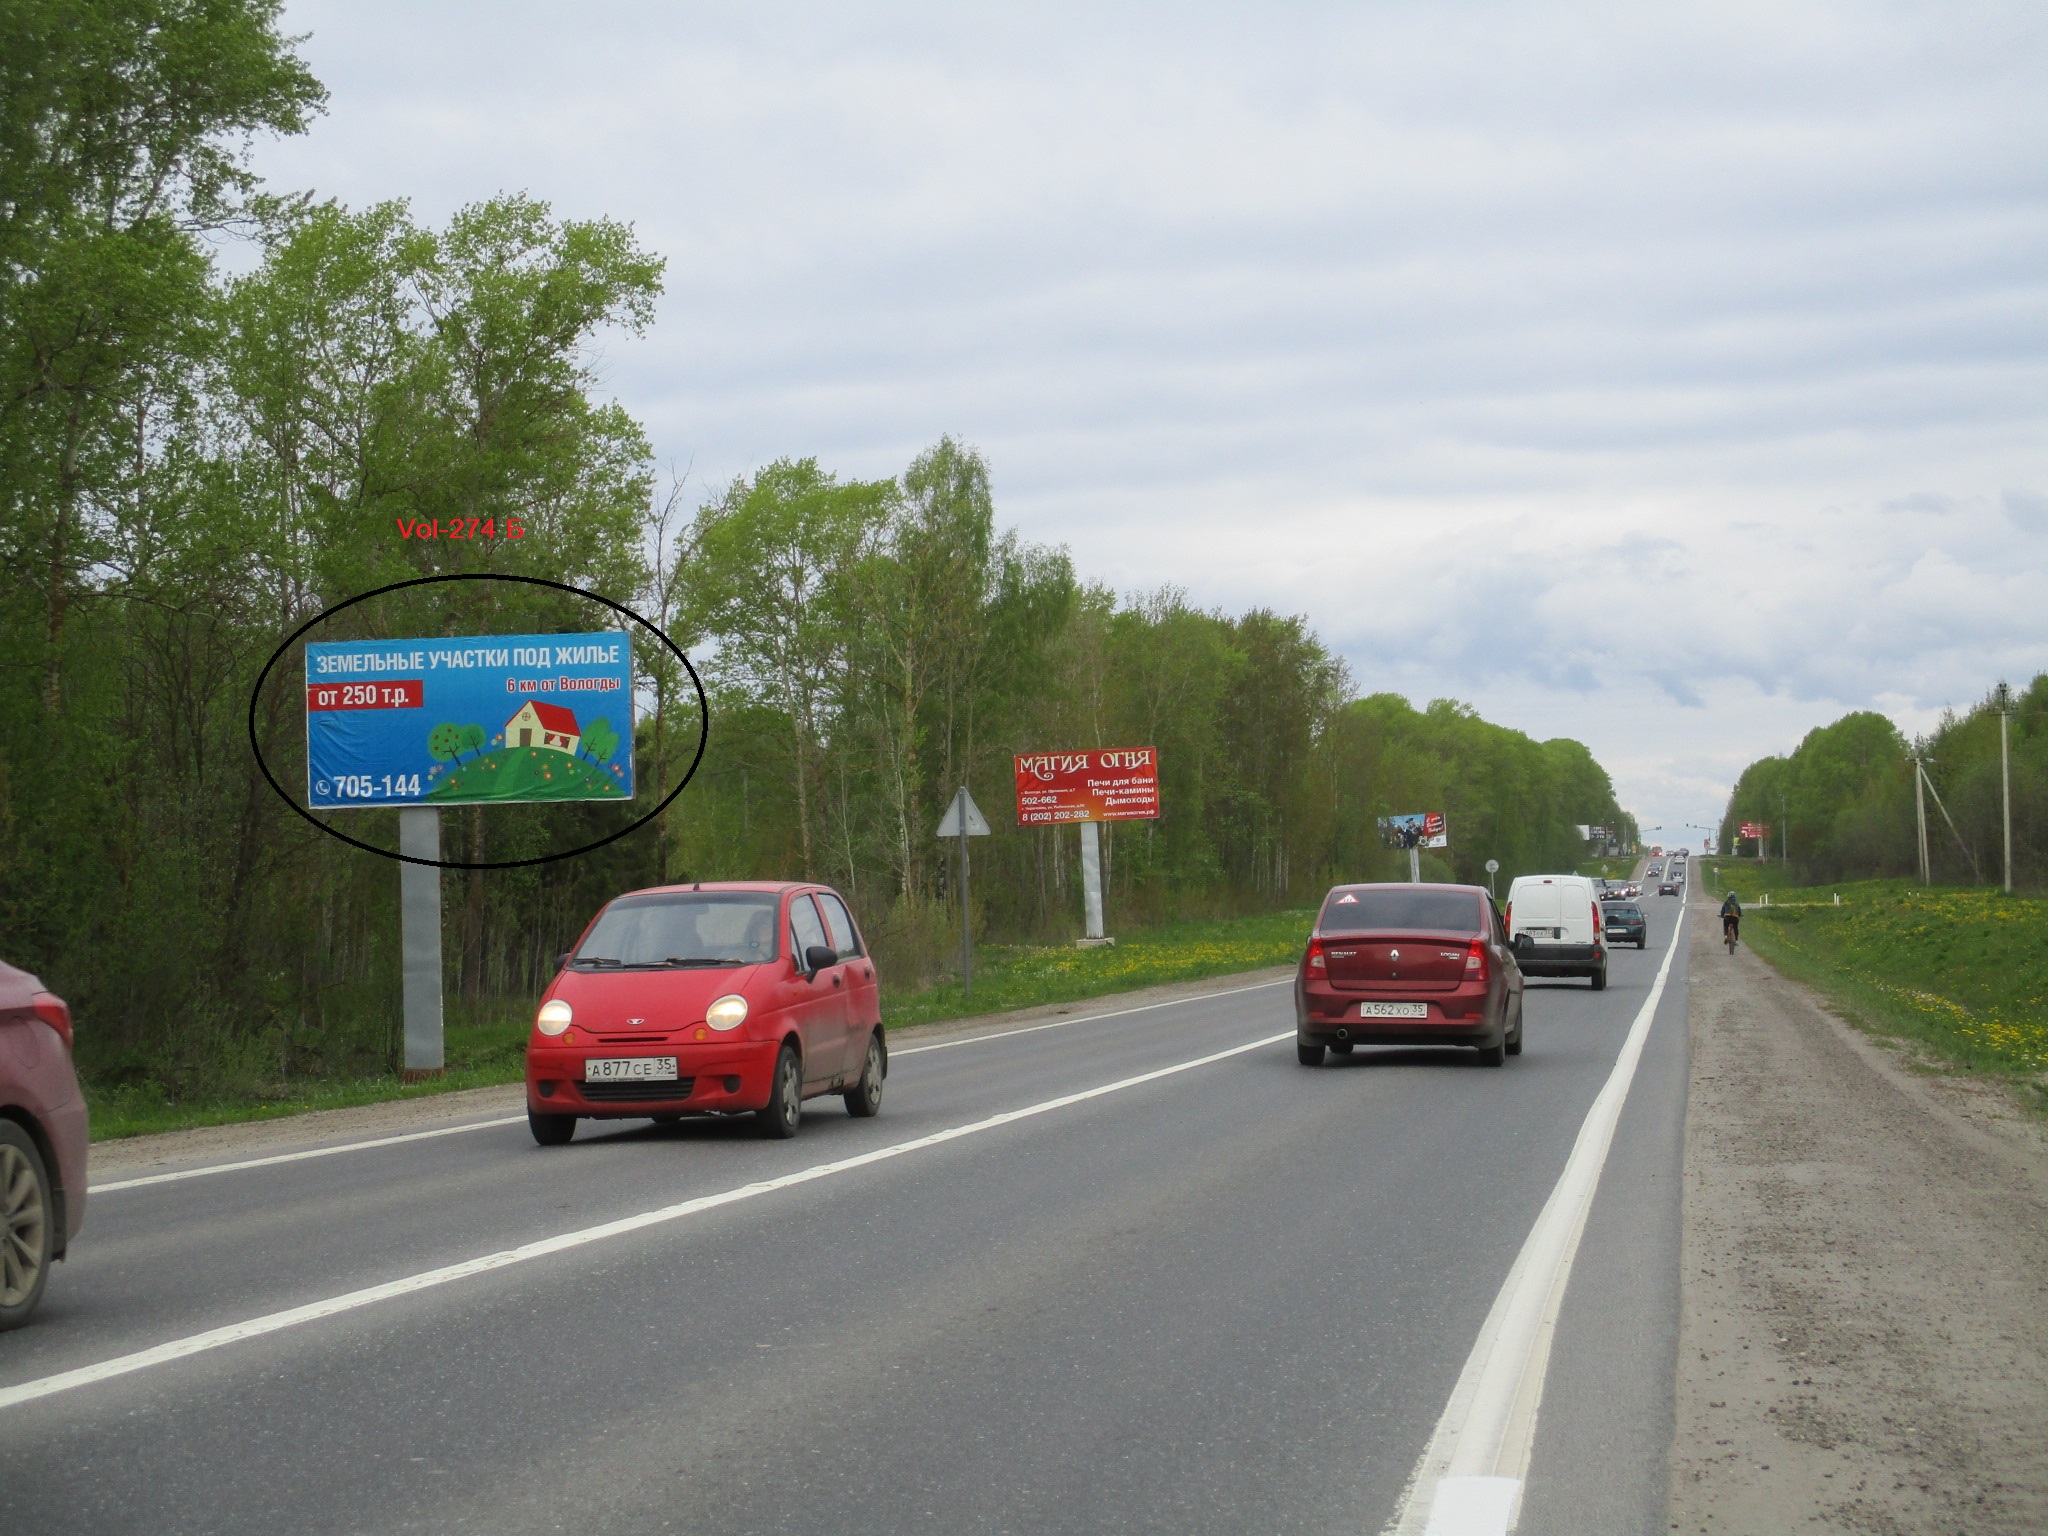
{"x":543,"y":725}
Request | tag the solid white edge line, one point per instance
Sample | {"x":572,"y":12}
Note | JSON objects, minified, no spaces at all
{"x":216,"y":1338}
{"x":297,"y":1157}
{"x":113,"y":1185}
{"x":1468,"y":1481}
{"x":1086,"y":1018}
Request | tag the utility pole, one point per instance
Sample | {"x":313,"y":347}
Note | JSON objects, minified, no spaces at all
{"x":1920,"y":817}
{"x":2004,"y":698}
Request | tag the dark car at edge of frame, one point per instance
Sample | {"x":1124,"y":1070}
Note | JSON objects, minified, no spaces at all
{"x":1408,"y":965}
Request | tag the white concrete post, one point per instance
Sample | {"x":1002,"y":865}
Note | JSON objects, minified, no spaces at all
{"x":1091,"y":876}
{"x":419,"y":909}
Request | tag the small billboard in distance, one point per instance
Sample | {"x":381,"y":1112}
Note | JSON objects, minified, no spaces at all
{"x":1421,"y":829}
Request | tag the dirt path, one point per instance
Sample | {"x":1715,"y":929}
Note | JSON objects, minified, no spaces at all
{"x":1864,"y":1341}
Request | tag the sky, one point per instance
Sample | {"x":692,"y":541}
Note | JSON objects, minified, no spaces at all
{"x":1672,"y":378}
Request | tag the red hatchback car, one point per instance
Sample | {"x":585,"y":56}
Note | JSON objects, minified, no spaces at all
{"x":1408,"y":965}
{"x":42,"y":1141}
{"x":717,"y":998}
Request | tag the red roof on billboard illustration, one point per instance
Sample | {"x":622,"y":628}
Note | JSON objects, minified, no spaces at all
{"x":543,"y":725}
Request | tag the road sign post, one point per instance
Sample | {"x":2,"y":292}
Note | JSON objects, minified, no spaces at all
{"x":963,"y":819}
{"x":419,"y":926}
{"x":1492,"y":869}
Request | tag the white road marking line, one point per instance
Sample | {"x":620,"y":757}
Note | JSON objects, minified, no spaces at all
{"x":256,"y":1327}
{"x":297,"y":1157}
{"x":452,"y":1130}
{"x":1468,"y":1481}
{"x":1088,"y":1018}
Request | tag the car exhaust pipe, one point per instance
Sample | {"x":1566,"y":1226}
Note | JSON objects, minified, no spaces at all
{"x":1343,"y":1034}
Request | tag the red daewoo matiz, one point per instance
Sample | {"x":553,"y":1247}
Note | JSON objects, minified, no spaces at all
{"x":1408,"y":965}
{"x":717,"y":998}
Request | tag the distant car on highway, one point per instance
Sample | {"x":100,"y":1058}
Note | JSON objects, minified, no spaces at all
{"x":735,"y":997}
{"x":1625,"y":924}
{"x":1555,"y":927}
{"x":1408,"y":965}
{"x":1668,"y":888}
{"x":43,"y":1137}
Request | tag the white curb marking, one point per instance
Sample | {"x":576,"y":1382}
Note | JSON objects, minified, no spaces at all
{"x":297,"y":1157}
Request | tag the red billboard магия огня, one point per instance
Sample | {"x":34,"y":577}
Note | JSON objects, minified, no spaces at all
{"x":1101,"y":784}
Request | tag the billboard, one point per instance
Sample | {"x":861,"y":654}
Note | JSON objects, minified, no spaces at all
{"x":481,"y":719}
{"x":1422,"y":829}
{"x":1112,"y":784}
{"x":1758,"y":830}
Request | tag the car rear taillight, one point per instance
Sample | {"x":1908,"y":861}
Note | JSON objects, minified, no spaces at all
{"x":1316,"y":962}
{"x":1475,"y":961}
{"x":51,"y":1010}
{"x":1508,"y":920}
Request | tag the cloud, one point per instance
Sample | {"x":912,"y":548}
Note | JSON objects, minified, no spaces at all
{"x":1544,"y":356}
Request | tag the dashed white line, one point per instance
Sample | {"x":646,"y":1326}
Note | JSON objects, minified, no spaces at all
{"x":273,"y":1322}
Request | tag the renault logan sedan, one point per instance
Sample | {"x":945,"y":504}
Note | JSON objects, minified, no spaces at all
{"x":1408,"y":965}
{"x":727,"y":998}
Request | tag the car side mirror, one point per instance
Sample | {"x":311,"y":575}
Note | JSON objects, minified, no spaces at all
{"x":1521,"y":942}
{"x":819,"y":956}
{"x":562,"y":959}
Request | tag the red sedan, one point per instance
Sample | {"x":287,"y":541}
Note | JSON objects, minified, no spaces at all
{"x":717,"y":998}
{"x":1408,"y":965}
{"x":42,"y":1141}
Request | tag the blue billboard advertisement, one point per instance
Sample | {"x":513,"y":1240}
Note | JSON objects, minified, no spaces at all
{"x":485,"y":719}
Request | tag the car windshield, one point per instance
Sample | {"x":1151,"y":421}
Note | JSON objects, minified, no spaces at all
{"x":683,"y":928}
{"x":1353,"y":911}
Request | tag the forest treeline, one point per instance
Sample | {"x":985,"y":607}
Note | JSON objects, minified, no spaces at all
{"x":197,"y":457}
{"x":1841,"y":805}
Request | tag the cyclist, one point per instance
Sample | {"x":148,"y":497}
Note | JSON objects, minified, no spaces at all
{"x":1731,"y":918}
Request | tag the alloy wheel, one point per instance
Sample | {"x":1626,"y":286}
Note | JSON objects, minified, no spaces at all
{"x":24,"y":1227}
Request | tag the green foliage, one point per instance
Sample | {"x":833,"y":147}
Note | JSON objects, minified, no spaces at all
{"x":600,"y":741}
{"x":1842,"y":803}
{"x":444,"y":741}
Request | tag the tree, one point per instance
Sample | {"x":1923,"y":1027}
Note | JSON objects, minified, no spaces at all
{"x":600,"y":741}
{"x":445,"y":741}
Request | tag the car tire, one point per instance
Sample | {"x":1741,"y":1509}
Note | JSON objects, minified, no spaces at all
{"x":778,"y":1119}
{"x":1514,"y":1044}
{"x":28,"y":1225}
{"x":671,"y":1118}
{"x":551,"y":1130}
{"x":1308,"y":1053}
{"x":1495,"y":1055}
{"x":864,"y":1098}
{"x":1599,"y":979}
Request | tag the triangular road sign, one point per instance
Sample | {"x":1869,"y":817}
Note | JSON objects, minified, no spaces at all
{"x":949,"y":824}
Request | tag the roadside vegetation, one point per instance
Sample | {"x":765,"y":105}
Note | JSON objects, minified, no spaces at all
{"x":1963,"y":972}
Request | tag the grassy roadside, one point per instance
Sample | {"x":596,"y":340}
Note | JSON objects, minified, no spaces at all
{"x":1006,"y":976}
{"x":1963,"y":972}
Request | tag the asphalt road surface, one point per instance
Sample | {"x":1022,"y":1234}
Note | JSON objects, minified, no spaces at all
{"x":1234,"y":1296}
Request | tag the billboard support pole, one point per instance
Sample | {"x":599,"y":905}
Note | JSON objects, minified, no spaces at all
{"x":1414,"y":865}
{"x":1091,"y":879}
{"x":419,"y":905}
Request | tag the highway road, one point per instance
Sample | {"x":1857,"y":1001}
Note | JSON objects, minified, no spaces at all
{"x":1137,"y":1272}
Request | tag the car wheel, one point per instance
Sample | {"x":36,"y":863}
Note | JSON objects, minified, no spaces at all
{"x":1600,"y":979}
{"x":784,"y":1111}
{"x":865,"y":1096}
{"x":668,"y":1119}
{"x":551,"y":1130}
{"x":1308,"y":1053}
{"x":28,"y":1235}
{"x":1514,"y":1046}
{"x":1493,"y":1055}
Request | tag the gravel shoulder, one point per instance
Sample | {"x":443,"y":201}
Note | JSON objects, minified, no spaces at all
{"x":1863,"y":1343}
{"x":259,"y":1138}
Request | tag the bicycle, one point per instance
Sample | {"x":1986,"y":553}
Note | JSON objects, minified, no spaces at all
{"x":1728,"y":933}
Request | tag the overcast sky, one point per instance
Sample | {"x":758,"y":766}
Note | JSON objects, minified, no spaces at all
{"x":1674,"y":378}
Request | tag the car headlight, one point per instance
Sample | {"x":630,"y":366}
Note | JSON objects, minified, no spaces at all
{"x":554,"y":1017}
{"x":729,"y":1012}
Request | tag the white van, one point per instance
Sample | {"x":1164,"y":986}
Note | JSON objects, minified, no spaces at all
{"x":1554,"y":927}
